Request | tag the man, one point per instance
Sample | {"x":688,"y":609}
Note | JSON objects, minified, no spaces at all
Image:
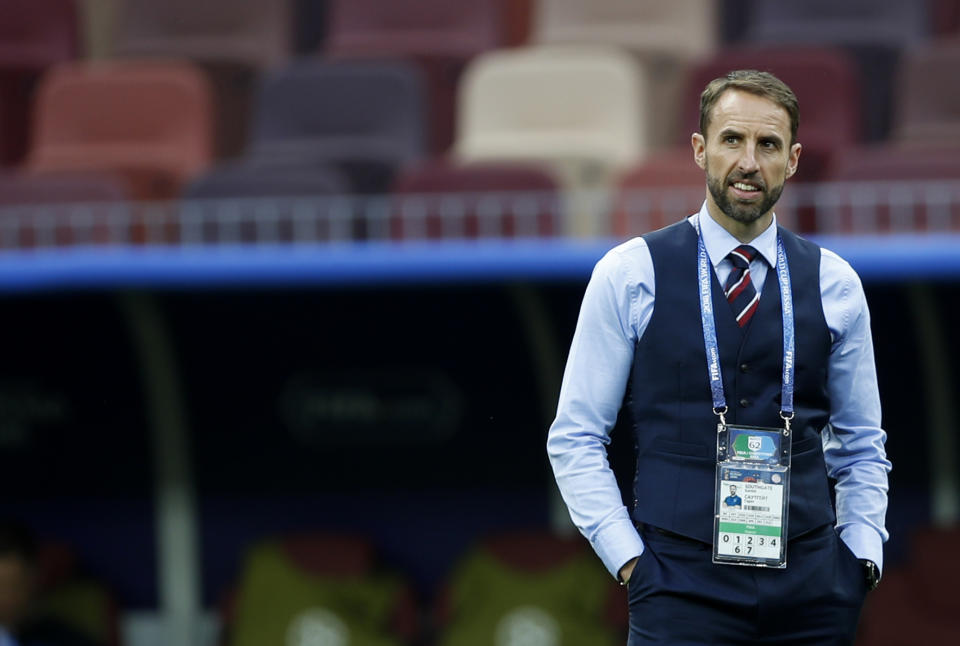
{"x":641,"y":343}
{"x":733,"y":500}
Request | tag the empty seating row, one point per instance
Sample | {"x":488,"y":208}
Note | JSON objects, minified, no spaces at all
{"x":233,"y":41}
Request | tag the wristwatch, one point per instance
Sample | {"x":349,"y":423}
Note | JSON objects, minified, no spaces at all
{"x":872,"y":573}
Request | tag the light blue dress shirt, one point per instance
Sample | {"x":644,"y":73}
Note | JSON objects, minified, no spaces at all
{"x":616,"y":309}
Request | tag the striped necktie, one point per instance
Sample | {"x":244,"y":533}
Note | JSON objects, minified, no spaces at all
{"x":740,"y":292}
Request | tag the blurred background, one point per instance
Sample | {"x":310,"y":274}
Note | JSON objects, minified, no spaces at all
{"x":287,"y":286}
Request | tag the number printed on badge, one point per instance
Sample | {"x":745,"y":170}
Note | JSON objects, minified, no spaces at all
{"x":757,"y":546}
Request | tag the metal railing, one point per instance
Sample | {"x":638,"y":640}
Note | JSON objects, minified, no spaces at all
{"x":853,"y":208}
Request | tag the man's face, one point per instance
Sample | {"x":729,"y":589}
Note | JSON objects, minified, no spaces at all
{"x":16,"y":590}
{"x":747,"y":155}
{"x":733,"y":490}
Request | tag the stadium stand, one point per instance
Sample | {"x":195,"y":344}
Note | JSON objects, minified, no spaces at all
{"x":230,"y":40}
{"x":295,"y":588}
{"x":656,"y":192}
{"x":246,"y":202}
{"x":927,"y":110}
{"x":945,"y":18}
{"x":584,"y":133}
{"x":580,"y":109}
{"x":439,"y":35}
{"x":685,"y":29}
{"x":890,"y":188}
{"x":365,"y":117}
{"x":825,"y":81}
{"x":34,"y":34}
{"x":147,"y":121}
{"x":873,"y":32}
{"x":445,"y":200}
{"x":665,"y":37}
{"x":520,"y":586}
{"x":57,"y":208}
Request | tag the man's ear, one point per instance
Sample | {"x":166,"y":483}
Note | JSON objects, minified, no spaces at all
{"x":699,"y":150}
{"x":794,"y":160}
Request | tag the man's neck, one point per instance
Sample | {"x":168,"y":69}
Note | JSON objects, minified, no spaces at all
{"x":745,"y":232}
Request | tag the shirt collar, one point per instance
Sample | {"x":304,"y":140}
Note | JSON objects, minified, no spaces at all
{"x":720,"y":242}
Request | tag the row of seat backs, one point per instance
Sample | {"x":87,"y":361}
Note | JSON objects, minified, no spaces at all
{"x":448,"y":200}
{"x":515,"y":105}
{"x":507,"y":586}
{"x":258,"y":31}
{"x":441,"y":36}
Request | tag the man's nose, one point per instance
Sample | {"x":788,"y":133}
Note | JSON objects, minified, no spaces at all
{"x":748,"y":161}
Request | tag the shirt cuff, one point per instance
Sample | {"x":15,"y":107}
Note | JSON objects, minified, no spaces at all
{"x":616,"y":543}
{"x":864,"y":542}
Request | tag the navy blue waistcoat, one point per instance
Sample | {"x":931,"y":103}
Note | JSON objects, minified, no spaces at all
{"x":669,"y":402}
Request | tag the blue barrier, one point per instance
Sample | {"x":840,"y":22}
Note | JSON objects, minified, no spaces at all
{"x":890,"y":258}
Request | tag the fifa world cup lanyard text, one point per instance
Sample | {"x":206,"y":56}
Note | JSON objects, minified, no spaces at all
{"x":752,"y":493}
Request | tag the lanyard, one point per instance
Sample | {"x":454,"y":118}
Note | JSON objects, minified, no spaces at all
{"x":710,"y":333}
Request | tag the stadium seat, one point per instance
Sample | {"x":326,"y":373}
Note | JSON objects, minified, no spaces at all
{"x":445,"y":200}
{"x":57,"y":208}
{"x":265,"y":203}
{"x":22,"y":189}
{"x":945,"y":18}
{"x":530,"y":587}
{"x":439,"y":35}
{"x":685,"y":29}
{"x":665,"y":37}
{"x":873,"y":31}
{"x":660,"y":190}
{"x":251,"y":32}
{"x":889,"y":187}
{"x":892,"y":22}
{"x":927,"y":110}
{"x":147,"y":121}
{"x":34,"y":34}
{"x":231,"y":40}
{"x":825,"y":81}
{"x":364,"y":117}
{"x":580,"y":109}
{"x":299,"y":587}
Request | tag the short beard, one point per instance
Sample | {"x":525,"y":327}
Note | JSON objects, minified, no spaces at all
{"x":745,"y":213}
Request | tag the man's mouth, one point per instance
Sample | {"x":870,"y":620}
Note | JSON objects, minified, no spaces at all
{"x":746,"y":187}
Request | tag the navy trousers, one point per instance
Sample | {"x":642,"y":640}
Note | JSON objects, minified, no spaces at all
{"x":679,"y":597}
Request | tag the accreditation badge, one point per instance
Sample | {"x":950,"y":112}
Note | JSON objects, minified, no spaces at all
{"x":752,"y":496}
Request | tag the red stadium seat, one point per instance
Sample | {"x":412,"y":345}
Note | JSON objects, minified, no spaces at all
{"x":231,"y":40}
{"x":890,"y":188}
{"x":661,"y":190}
{"x":34,"y":34}
{"x":147,"y":121}
{"x":440,"y":35}
{"x":927,"y":111}
{"x":443,"y":200}
{"x":57,"y":208}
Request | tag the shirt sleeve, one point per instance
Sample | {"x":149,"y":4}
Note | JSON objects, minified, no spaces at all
{"x":853,"y":442}
{"x":615,"y":305}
